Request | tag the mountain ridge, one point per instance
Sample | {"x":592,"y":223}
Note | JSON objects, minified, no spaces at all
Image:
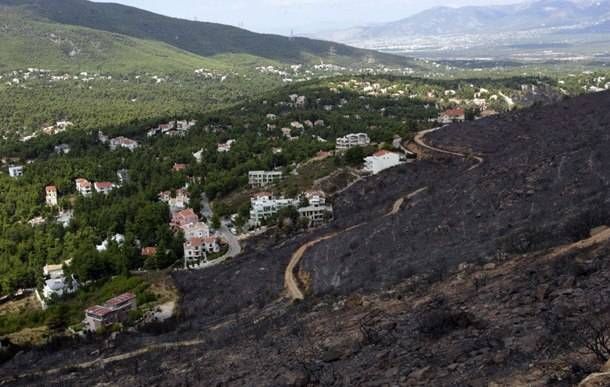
{"x":201,"y":38}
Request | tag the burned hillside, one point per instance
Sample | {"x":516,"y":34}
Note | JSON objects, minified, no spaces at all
{"x":442,"y":272}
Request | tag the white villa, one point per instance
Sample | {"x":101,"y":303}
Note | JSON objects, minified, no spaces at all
{"x":55,"y":281}
{"x":51,"y":196}
{"x":226,"y":147}
{"x":259,"y":179}
{"x":353,"y":140}
{"x":123,"y":142}
{"x":83,"y":187}
{"x":264,"y":206}
{"x":380,"y":161}
{"x":196,"y":248}
{"x":15,"y":171}
{"x":196,"y":230}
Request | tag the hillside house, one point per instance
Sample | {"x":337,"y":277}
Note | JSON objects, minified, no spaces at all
{"x":83,"y":187}
{"x":177,"y":201}
{"x":259,"y":179}
{"x":197,"y":248}
{"x":196,"y":230}
{"x":123,"y":142}
{"x":452,"y":115}
{"x":184,"y":217}
{"x":264,"y":206}
{"x":316,"y":210}
{"x":352,"y":140}
{"x":123,"y":176}
{"x":118,"y":239}
{"x":198,"y":156}
{"x":55,"y":282}
{"x":113,"y":311}
{"x":149,"y":251}
{"x":51,"y":196}
{"x":15,"y":171}
{"x":62,"y":149}
{"x":225,"y":147}
{"x":103,"y":187}
{"x":380,"y":161}
{"x":179,"y":167}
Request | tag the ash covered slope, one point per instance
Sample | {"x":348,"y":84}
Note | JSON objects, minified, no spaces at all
{"x":544,"y":182}
{"x":502,"y":317}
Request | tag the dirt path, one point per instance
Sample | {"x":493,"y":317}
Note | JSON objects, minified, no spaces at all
{"x":291,"y":283}
{"x":419,"y":140}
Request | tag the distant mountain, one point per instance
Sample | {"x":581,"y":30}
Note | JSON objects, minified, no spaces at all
{"x":486,"y":19}
{"x":204,"y":39}
{"x":30,"y":43}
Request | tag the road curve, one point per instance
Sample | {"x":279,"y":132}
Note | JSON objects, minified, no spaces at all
{"x":419,"y":140}
{"x":291,"y":283}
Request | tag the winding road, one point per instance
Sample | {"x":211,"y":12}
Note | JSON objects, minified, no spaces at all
{"x":291,"y":283}
{"x":419,"y":140}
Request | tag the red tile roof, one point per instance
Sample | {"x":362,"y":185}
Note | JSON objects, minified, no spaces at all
{"x":454,"y":112}
{"x":103,"y":185}
{"x":118,"y":300}
{"x":99,"y":311}
{"x":51,"y":189}
{"x":149,"y":251}
{"x":382,"y":152}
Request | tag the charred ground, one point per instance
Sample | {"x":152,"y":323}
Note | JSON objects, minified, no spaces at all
{"x":478,"y":279}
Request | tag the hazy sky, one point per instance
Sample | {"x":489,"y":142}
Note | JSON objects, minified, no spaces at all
{"x":301,"y":16}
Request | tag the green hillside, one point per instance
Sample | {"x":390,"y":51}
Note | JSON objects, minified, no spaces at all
{"x":29,"y":43}
{"x":206,"y":39}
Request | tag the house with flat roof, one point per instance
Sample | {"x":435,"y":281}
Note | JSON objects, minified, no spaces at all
{"x":352,"y":140}
{"x":260,"y":179}
{"x":115,"y":310}
{"x":15,"y":171}
{"x":381,"y":160}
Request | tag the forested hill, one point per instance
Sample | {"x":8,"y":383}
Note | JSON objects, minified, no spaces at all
{"x":206,"y":39}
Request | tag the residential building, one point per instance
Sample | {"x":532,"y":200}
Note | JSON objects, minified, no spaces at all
{"x":62,"y":149}
{"x":55,"y":282}
{"x":352,"y":140}
{"x":226,"y":147}
{"x":316,"y":210}
{"x":264,"y":206}
{"x":259,"y":179}
{"x":113,"y":311}
{"x":123,"y":142}
{"x":123,"y":175}
{"x":51,"y":196}
{"x":177,"y":201}
{"x":83,"y":187}
{"x":103,"y":187}
{"x":184,"y":217}
{"x":452,"y":115}
{"x":15,"y":171}
{"x":179,"y":167}
{"x":198,"y":156}
{"x":185,"y":125}
{"x":150,"y":251}
{"x":196,"y":230}
{"x":197,"y":248}
{"x":380,"y":161}
{"x":119,"y":239}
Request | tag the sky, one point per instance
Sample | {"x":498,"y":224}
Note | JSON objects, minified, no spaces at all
{"x":296,"y":16}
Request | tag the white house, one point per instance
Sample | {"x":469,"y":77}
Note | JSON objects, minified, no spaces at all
{"x":123,"y":142}
{"x":62,"y":149}
{"x":352,"y":140}
{"x":259,"y":179}
{"x":103,"y":187}
{"x":55,"y":283}
{"x":264,"y":206}
{"x":15,"y":170}
{"x":226,"y":147}
{"x":196,"y":248}
{"x":119,"y":239}
{"x":83,"y":187}
{"x":452,"y":115}
{"x":196,"y":230}
{"x":380,"y":161}
{"x":51,"y":195}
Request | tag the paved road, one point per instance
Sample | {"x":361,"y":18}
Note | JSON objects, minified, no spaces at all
{"x":223,"y":232}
